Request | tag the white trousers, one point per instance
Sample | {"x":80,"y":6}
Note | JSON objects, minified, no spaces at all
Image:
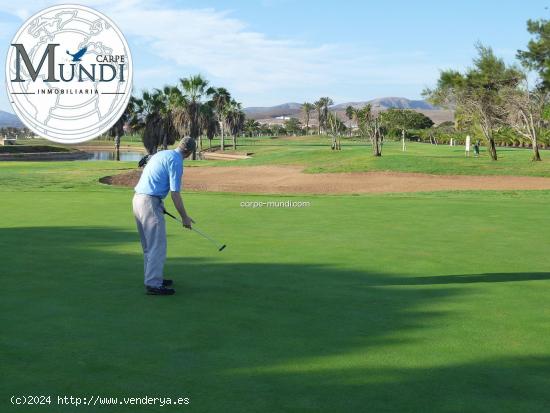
{"x":148,"y":211}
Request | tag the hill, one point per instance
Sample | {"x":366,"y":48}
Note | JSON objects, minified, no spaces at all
{"x":286,"y":109}
{"x":270,"y":114}
{"x":9,"y":120}
{"x":388,"y":103}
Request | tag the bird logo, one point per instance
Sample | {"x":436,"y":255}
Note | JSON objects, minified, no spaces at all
{"x":77,"y":57}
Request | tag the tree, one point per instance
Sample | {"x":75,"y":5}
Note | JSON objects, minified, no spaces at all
{"x":335,"y":128}
{"x":319,"y":108}
{"x":277,"y":129}
{"x":399,"y":121}
{"x":174,"y":114}
{"x":151,"y":118}
{"x":208,"y":123}
{"x":221,"y":98}
{"x":350,"y":113}
{"x":293,"y":126}
{"x":134,"y":123}
{"x":185,"y":109}
{"x":234,"y":118}
{"x":251,"y":127}
{"x":537,"y":55}
{"x":195,"y":90}
{"x":405,"y":119}
{"x":117,"y":130}
{"x":306,"y":109}
{"x":476,"y":93}
{"x":370,"y":128}
{"x":325,"y":103}
{"x":265,"y":129}
{"x":525,"y":111}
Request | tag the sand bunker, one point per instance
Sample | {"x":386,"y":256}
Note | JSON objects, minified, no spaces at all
{"x":291,"y":180}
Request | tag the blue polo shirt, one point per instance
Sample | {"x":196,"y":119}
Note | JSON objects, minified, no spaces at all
{"x":162,"y":173}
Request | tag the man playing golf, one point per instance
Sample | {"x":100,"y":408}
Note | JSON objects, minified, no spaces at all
{"x":161,"y":175}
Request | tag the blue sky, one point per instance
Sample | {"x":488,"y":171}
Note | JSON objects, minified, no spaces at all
{"x":274,"y":51}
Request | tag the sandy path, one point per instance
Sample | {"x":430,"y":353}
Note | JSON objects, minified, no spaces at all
{"x":291,"y":179}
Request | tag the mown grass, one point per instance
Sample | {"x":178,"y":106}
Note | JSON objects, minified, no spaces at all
{"x":315,"y":154}
{"x":57,"y":176}
{"x":31,"y":149}
{"x":401,"y":303}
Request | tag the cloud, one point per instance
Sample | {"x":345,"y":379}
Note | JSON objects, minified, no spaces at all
{"x":221,"y":46}
{"x":248,"y":62}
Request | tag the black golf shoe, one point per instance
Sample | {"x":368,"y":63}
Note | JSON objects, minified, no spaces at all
{"x":159,"y":291}
{"x":167,"y":283}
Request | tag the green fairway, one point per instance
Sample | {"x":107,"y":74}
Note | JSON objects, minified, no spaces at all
{"x":314,"y":153}
{"x":396,"y":303}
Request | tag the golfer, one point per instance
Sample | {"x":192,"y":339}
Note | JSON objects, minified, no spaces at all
{"x":161,"y":175}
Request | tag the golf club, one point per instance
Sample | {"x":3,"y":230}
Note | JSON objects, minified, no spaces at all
{"x":217,"y":244}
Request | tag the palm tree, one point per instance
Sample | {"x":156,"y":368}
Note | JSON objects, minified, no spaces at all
{"x":220,"y":100}
{"x":148,"y":115}
{"x":171,"y":100}
{"x":235,"y":118}
{"x":251,"y":127}
{"x":306,"y":109}
{"x":325,"y":102}
{"x":350,"y":113}
{"x":133,"y":115}
{"x":190,"y":108}
{"x":194,"y":89}
{"x":208,"y":122}
{"x":117,"y":130}
{"x":178,"y":104}
{"x":319,"y":108}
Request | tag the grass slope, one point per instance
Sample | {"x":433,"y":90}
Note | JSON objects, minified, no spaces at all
{"x":358,"y":303}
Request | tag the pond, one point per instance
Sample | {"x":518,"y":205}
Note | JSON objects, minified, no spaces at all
{"x":111,"y":155}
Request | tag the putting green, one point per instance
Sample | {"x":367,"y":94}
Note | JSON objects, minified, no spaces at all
{"x":432,"y":302}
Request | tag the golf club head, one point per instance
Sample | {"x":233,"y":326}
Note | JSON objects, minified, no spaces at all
{"x":222,"y":247}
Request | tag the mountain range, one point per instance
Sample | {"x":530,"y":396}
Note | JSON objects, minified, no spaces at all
{"x":293,"y":109}
{"x":387,"y":103}
{"x":9,"y":120}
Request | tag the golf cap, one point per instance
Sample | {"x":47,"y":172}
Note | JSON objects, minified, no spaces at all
{"x":187,"y":144}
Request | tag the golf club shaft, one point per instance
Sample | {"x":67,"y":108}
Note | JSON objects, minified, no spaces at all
{"x":194,"y":229}
{"x":205,"y":236}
